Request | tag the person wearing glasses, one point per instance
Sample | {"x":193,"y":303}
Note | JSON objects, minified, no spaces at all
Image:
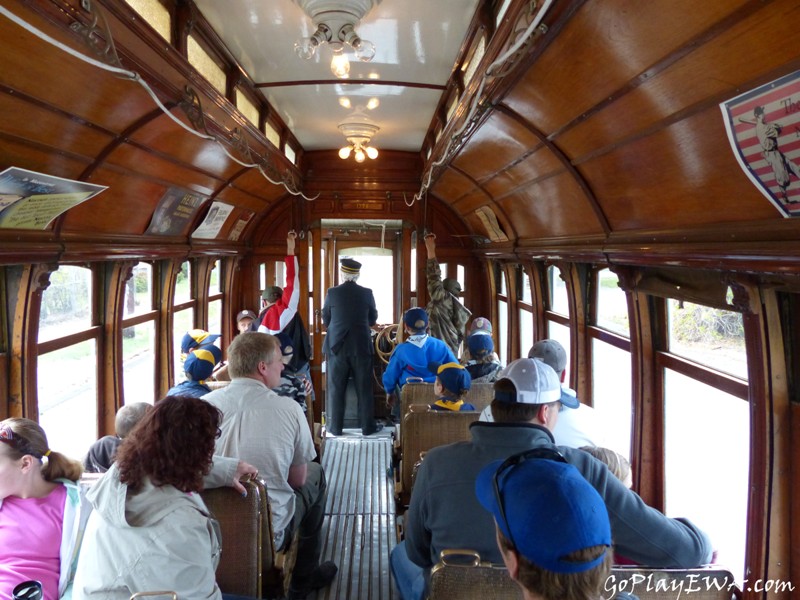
{"x":444,"y":513}
{"x":570,"y":549}
{"x":41,"y":510}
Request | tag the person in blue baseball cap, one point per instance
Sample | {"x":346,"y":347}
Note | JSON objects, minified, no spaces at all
{"x":195,"y":338}
{"x":483,"y":364}
{"x":552,"y":526}
{"x":197,"y":367}
{"x":410,"y":359}
{"x":451,"y":386}
{"x":526,"y":408}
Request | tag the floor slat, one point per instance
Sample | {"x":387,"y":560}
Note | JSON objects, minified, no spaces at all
{"x":359,"y":529}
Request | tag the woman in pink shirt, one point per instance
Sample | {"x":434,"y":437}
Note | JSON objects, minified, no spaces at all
{"x":39,"y":510}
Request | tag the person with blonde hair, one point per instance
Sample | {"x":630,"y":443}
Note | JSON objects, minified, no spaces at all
{"x":616,"y":463}
{"x":41,"y":512}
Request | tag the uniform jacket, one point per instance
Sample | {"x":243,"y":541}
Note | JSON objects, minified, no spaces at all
{"x":349,"y":312}
{"x":445,"y":513}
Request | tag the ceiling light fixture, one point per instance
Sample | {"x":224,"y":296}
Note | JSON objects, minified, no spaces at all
{"x":336,"y":21}
{"x":358,"y":130}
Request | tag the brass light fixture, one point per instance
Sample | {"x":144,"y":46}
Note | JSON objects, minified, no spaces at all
{"x":336,"y":22}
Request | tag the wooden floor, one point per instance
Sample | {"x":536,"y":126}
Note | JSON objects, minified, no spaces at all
{"x":359,"y":529}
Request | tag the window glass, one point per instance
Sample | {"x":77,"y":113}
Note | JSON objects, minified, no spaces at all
{"x":460,"y":277}
{"x":262,"y":276}
{"x":138,"y":291}
{"x":501,"y":12}
{"x":272,"y":134}
{"x":215,"y":316}
{"x":611,"y":388}
{"x":558,"y":291}
{"x":502,"y":331}
{"x":709,"y":336}
{"x":246,"y":107}
{"x":413,"y":264}
{"x":290,"y":153}
{"x":443,"y":269}
{"x":501,"y":283}
{"x":560,"y":333}
{"x":469,"y":70}
{"x":612,"y":304}
{"x":525,"y":331}
{"x":183,"y":287}
{"x":707,"y":463}
{"x":377,"y":273}
{"x":156,"y":14}
{"x":280,"y":274}
{"x":214,"y":282}
{"x":139,"y":362}
{"x":525,"y":288}
{"x":205,"y":65}
{"x":183,"y":321}
{"x":451,"y":108}
{"x":66,"y":303}
{"x":67,"y":391}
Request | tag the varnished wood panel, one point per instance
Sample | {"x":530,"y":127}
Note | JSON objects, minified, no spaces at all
{"x":684,"y":176}
{"x":539,"y":164}
{"x":453,"y":185}
{"x":737,"y":58}
{"x":607,"y":43}
{"x":498,"y":143}
{"x":553,"y":207}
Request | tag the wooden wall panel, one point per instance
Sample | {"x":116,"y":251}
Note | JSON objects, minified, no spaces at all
{"x":452,"y":186}
{"x":682,"y":176}
{"x":736,"y":57}
{"x":541,"y":163}
{"x":126,"y":207}
{"x":553,"y":207}
{"x":499,"y":142}
{"x":607,"y":43}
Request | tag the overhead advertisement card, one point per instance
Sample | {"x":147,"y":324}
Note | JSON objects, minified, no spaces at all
{"x":763,"y":127}
{"x":215,"y":219}
{"x":176,"y":209}
{"x":31,"y":200}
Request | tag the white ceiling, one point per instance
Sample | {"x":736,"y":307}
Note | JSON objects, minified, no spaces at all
{"x":417,"y":42}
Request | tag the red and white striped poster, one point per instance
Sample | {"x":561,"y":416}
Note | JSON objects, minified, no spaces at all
{"x":764,"y":130}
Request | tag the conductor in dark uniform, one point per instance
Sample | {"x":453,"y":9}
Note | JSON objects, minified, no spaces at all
{"x":348,"y":314}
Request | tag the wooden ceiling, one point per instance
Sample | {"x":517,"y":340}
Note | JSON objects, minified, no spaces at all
{"x":604,"y":137}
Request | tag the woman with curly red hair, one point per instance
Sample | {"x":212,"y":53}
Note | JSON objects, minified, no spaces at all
{"x":150,"y":530}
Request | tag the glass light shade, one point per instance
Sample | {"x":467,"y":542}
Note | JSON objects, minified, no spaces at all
{"x":365,"y":50}
{"x":305,"y":48}
{"x":360,"y":156}
{"x":344,"y":153}
{"x":340,"y":65}
{"x":372,"y":152}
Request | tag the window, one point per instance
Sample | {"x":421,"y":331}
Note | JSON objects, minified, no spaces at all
{"x":139,"y":337}
{"x":290,"y":153}
{"x":272,"y":134}
{"x":215,"y":300}
{"x":707,"y":463}
{"x":206,"y":65}
{"x":708,"y":336}
{"x":67,"y":361}
{"x":502,"y":313}
{"x":707,"y":457}
{"x":557,"y":313}
{"x":471,"y":67}
{"x":246,"y":106}
{"x":377,"y":273}
{"x":525,"y":305}
{"x":156,"y":14}
{"x":611,"y":362}
{"x":413,"y":266}
{"x":183,"y":317}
